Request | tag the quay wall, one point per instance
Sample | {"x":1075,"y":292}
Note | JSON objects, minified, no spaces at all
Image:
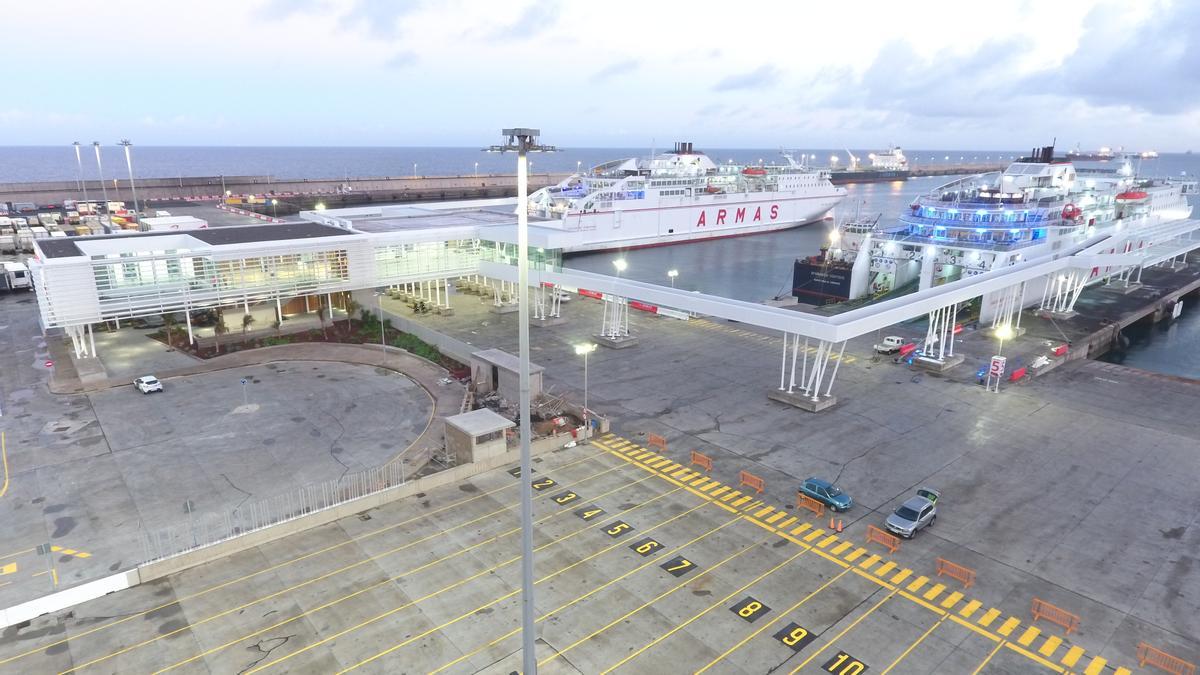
{"x":1101,"y":340}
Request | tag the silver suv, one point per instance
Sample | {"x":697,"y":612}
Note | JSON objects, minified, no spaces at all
{"x":915,"y":514}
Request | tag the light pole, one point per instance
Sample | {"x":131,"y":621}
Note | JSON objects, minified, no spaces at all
{"x":275,"y":208}
{"x":414,"y":169}
{"x":82,"y":180}
{"x":621,"y":266}
{"x":672,"y":274}
{"x":583,"y":350}
{"x":132,"y":188}
{"x":524,"y":141}
{"x":382,"y":335}
{"x":1003,"y":332}
{"x":578,"y":166}
{"x":477,"y":169}
{"x":100,"y":171}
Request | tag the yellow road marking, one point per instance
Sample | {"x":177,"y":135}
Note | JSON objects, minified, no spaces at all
{"x":1072,"y":656}
{"x":870,"y":562}
{"x":297,"y":586}
{"x":933,"y":592}
{"x":813,"y":535}
{"x":516,"y":592}
{"x":858,"y":553}
{"x":777,"y":517}
{"x":671,"y":466}
{"x":827,"y":541}
{"x":1123,"y":671}
{"x":659,"y":462}
{"x":1050,"y":645}
{"x":70,"y":552}
{"x":1096,"y":666}
{"x":917,"y":584}
{"x":412,"y":603}
{"x":764,"y":511}
{"x":885,"y":568}
{"x":1034,"y":657}
{"x":801,"y":528}
{"x":1009,"y":626}
{"x":719,"y":491}
{"x":680,"y":474}
{"x":913,"y":645}
{"x":10,"y":568}
{"x":901,"y":576}
{"x":733,"y":494}
{"x":1028,"y":636}
{"x":844,"y":631}
{"x":17,"y":553}
{"x":789,"y":610}
{"x":990,"y":616}
{"x":989,"y":657}
{"x":841,"y":548}
{"x":701,"y":481}
{"x":741,"y":501}
{"x":952,"y":599}
{"x":970,"y":609}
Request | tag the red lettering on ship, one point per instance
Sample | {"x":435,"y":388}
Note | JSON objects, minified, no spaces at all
{"x":758,"y":214}
{"x":720,"y":216}
{"x":739,"y":216}
{"x":774,"y":211}
{"x":701,"y":223}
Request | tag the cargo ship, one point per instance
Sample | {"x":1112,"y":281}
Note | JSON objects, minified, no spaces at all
{"x":1036,"y":206}
{"x":681,"y":196}
{"x":886,"y":165}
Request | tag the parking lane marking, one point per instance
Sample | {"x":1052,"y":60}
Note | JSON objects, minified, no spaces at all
{"x":988,"y":617}
{"x":788,"y":522}
{"x":776,"y":518}
{"x":813,"y":535}
{"x":1028,"y":636}
{"x":970,"y":608}
{"x":350,"y":566}
{"x":1009,"y":626}
{"x":858,"y":553}
{"x":870,"y":562}
{"x":988,"y":658}
{"x":841,"y":548}
{"x":720,"y":491}
{"x":913,"y":646}
{"x":917,"y":584}
{"x":951,"y":600}
{"x":824,"y":543}
{"x":1096,"y":666}
{"x":4,"y":454}
{"x":933,"y":592}
{"x":1050,"y":645}
{"x":1072,"y":656}
{"x":885,"y":568}
{"x":764,"y":511}
{"x":800,"y":529}
{"x":355,"y":540}
{"x":843,"y":632}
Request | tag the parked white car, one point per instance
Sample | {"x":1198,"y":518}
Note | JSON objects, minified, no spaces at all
{"x":890,"y":345}
{"x":148,"y":384}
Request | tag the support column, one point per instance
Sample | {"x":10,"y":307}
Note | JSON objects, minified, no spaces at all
{"x":92,"y":339}
{"x":187,"y":314}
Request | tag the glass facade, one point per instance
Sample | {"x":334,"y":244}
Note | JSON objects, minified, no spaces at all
{"x":539,"y":258}
{"x":400,"y":262}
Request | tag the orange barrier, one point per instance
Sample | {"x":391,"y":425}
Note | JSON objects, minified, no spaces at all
{"x":1163,"y":661}
{"x":656,"y":441}
{"x":703,"y":461}
{"x":964,"y":574}
{"x":748,"y":479}
{"x":806,"y":502}
{"x":874,"y":534}
{"x":1044,"y":610}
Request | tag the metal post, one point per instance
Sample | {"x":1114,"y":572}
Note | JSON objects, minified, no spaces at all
{"x":129,"y":163}
{"x":82,"y":180}
{"x":527,"y":608}
{"x":100,"y":172}
{"x":382,"y":336}
{"x":587,"y":424}
{"x":783,"y":360}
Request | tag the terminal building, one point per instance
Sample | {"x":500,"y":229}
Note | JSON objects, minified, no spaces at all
{"x":295,"y":266}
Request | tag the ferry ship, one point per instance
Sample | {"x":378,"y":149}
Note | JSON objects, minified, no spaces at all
{"x":1035,"y":207}
{"x":886,"y":165}
{"x":681,"y":196}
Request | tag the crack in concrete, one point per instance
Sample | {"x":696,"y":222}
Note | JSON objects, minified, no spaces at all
{"x":279,"y":642}
{"x":248,"y":495}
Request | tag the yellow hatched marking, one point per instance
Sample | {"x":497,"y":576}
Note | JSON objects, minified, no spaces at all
{"x":1009,"y":626}
{"x":778,"y":516}
{"x":800,"y":528}
{"x":1123,"y":671}
{"x":733,"y":494}
{"x":641,"y":454}
{"x":741,"y":501}
{"x":701,"y":481}
{"x":1096,"y":666}
{"x":934,"y":592}
{"x":719,"y":491}
{"x":827,"y":541}
{"x":858,"y":553}
{"x":788,"y":522}
{"x":1050,"y":645}
{"x":901,"y":575}
{"x":1028,"y":636}
{"x":764,"y":511}
{"x":8,"y":569}
{"x":870,"y":562}
{"x":661,"y":461}
{"x":885,"y":568}
{"x":756,"y":505}
{"x":813,"y":535}
{"x":1072,"y":656}
{"x":917,"y":584}
{"x":970,"y":608}
{"x":670,"y":466}
{"x":70,"y":551}
{"x":951,"y":600}
{"x":841,"y":548}
{"x":681,"y":473}
{"x":988,"y":617}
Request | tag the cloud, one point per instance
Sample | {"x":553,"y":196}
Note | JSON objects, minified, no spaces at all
{"x":380,"y":18}
{"x":618,"y":68}
{"x":536,"y":19}
{"x":759,"y":78}
{"x":401,"y":60}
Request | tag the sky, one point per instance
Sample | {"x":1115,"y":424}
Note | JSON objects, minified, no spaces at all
{"x":852,"y":73}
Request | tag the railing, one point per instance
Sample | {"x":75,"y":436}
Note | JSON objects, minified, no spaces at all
{"x":878,"y":536}
{"x":701,"y":460}
{"x":747,"y":479}
{"x":210,"y":529}
{"x":1044,"y":610}
{"x":806,"y":502}
{"x":964,"y":574}
{"x":1148,"y":655}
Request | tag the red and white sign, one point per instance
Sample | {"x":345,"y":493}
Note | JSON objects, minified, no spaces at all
{"x":996,"y":368}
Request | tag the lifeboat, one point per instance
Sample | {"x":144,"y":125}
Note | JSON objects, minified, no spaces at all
{"x":1132,"y":196}
{"x":754,"y":171}
{"x":712,"y":189}
{"x":1071,"y":212}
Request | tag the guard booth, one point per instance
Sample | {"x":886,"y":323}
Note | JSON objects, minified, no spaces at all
{"x":497,"y":370}
{"x":476,"y":435}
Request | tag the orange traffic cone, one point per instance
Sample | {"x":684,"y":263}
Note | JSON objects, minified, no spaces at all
{"x":839,"y":525}
{"x":831,"y":523}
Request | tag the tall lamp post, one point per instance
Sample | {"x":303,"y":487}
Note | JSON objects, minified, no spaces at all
{"x":79,"y":163}
{"x":524,"y":141}
{"x":672,"y":274}
{"x":100,"y":171}
{"x":583,"y":350}
{"x":382,"y":334}
{"x":129,"y":163}
{"x":275,"y":208}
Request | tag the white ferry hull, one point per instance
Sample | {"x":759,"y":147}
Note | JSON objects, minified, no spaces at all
{"x":667,"y":225}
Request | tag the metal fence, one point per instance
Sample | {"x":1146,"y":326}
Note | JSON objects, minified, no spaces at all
{"x":209,"y":529}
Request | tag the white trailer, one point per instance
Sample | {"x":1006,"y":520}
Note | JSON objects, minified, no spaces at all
{"x":174,"y":223}
{"x":14,"y":276}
